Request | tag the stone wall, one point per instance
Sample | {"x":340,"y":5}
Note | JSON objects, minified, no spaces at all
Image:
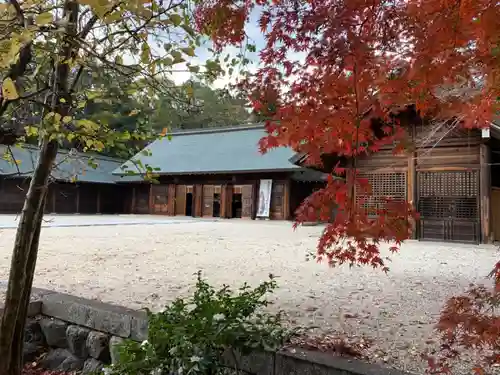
{"x":82,"y":335}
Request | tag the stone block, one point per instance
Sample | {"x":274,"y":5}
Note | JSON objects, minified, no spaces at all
{"x":33,"y":333}
{"x":62,"y":360}
{"x":31,"y":351}
{"x":92,"y":366}
{"x":77,"y":340}
{"x":98,"y":346}
{"x":139,"y":326}
{"x":99,"y":316}
{"x":303,"y":362}
{"x":258,"y":363}
{"x":55,"y":332}
{"x":114,"y":344}
{"x":34,"y":308}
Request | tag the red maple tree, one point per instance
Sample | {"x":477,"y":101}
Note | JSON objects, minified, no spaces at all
{"x":367,"y":59}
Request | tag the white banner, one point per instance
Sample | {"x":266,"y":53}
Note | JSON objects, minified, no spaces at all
{"x":264,"y":198}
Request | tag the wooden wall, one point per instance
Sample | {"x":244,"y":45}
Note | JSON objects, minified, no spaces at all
{"x":12,"y":195}
{"x":449,"y":155}
{"x":67,"y":198}
{"x":171,"y":193}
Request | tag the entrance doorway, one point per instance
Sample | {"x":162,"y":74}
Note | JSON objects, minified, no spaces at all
{"x":216,"y":205}
{"x":237,"y":205}
{"x":189,"y":204}
{"x":448,"y":203}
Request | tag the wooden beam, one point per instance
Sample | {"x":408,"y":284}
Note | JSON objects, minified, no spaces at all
{"x":485,"y":193}
{"x":150,"y":200}
{"x":223,"y":201}
{"x":132,"y":208}
{"x":411,"y":189}
{"x":77,"y":199}
{"x":54,"y":198}
{"x":286,"y":200}
{"x":171,"y":199}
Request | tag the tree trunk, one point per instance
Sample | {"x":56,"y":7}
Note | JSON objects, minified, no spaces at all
{"x":23,"y":264}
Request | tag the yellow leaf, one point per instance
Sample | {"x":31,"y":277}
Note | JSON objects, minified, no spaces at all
{"x":164,"y":132}
{"x":189,"y":51}
{"x":43,"y":19}
{"x":9,"y":90}
{"x":176,"y":19}
{"x":67,"y":119}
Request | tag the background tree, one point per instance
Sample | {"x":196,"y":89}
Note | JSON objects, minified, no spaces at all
{"x":51,"y":53}
{"x":441,"y":56}
{"x":207,"y":108}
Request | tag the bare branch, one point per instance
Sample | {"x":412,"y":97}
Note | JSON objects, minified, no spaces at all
{"x":90,"y":24}
{"x":13,"y":159}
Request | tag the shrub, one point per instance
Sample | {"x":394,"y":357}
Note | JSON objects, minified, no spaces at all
{"x":191,"y":336}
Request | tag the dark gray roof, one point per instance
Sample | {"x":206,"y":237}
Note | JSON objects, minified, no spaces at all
{"x":229,"y":150}
{"x":70,"y":166}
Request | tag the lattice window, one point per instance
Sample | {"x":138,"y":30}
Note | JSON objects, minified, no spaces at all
{"x":383,"y":186}
{"x":451,"y":183}
{"x":452,"y":194}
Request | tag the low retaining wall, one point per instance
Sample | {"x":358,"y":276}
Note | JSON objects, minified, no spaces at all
{"x":83,"y":335}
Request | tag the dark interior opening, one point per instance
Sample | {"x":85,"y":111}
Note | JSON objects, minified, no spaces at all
{"x":216,"y":205}
{"x":237,"y":205}
{"x":189,"y":204}
{"x":300,"y":191}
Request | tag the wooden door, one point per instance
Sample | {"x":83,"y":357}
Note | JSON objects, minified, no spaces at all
{"x":198,"y":201}
{"x":247,"y":198}
{"x":180,"y":200}
{"x":171,"y":200}
{"x":448,"y":203}
{"x":208,"y":200}
{"x":160,"y":199}
{"x":277,"y":201}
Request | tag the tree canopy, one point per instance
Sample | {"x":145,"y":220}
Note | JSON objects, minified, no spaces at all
{"x":65,"y":64}
{"x":369,"y":57}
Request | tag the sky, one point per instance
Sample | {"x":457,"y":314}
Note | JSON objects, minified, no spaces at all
{"x":202,"y":54}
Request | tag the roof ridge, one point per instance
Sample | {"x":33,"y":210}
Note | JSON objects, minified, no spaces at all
{"x":219,"y":129}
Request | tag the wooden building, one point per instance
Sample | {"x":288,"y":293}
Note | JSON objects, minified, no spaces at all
{"x":218,"y":173}
{"x":75,"y":186}
{"x":451,"y":177}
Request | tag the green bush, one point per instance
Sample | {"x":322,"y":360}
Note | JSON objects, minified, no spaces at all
{"x":190,"y":336}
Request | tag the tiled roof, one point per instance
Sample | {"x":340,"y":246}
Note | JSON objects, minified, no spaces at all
{"x":229,"y":150}
{"x":70,"y":166}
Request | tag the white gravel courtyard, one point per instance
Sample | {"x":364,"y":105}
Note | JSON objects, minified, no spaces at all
{"x":141,"y":264}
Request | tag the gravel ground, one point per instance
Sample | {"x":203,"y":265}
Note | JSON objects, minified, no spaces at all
{"x":149,"y":265}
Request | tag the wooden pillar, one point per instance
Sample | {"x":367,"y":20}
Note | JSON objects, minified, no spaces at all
{"x":223,"y":201}
{"x":411,"y":193}
{"x":98,"y":204}
{"x":198,"y":200}
{"x":229,"y":200}
{"x":150,"y":200}
{"x":485,"y":192}
{"x":171,"y":199}
{"x":132,"y":205}
{"x":77,"y":199}
{"x":54,"y":198}
{"x":255,"y":199}
{"x":286,"y":199}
